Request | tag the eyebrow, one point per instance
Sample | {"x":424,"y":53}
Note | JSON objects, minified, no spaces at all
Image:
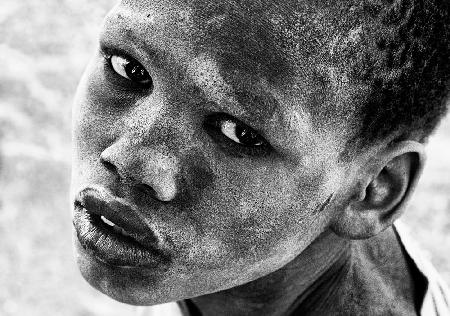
{"x":123,"y":30}
{"x":259,"y":107}
{"x":240,"y":99}
{"x":133,"y":46}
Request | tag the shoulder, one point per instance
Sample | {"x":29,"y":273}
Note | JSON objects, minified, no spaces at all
{"x":168,"y":309}
{"x":436,"y":298}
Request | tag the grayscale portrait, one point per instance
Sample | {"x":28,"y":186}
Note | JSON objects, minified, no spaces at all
{"x":259,"y":158}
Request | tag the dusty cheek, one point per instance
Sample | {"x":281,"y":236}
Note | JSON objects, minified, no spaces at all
{"x":247,"y":250}
{"x":261,"y":238}
{"x":272,"y":231}
{"x":239,"y":240}
{"x":255,"y":218}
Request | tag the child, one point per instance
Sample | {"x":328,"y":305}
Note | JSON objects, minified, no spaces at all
{"x":251,"y":157}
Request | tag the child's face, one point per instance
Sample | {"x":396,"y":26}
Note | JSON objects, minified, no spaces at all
{"x":222,"y":208}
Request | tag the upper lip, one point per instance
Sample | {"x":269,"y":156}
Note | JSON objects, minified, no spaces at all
{"x":100,"y":201}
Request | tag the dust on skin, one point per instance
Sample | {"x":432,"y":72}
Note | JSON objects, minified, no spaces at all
{"x":205,"y":72}
{"x":253,"y":214}
{"x":295,"y":30}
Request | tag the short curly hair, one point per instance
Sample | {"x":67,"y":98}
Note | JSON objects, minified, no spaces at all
{"x":403,"y":55}
{"x":387,"y":60}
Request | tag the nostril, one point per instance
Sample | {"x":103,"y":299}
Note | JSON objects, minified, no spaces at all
{"x":148,"y":190}
{"x":108,"y":165}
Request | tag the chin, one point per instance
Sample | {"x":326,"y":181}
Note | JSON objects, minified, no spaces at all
{"x":130,"y":285}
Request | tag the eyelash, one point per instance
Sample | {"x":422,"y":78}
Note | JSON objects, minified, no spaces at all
{"x":213,"y":126}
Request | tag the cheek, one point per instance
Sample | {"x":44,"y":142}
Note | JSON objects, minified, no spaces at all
{"x":98,"y":107}
{"x":254,"y":214}
{"x":95,"y":122}
{"x":88,"y":119}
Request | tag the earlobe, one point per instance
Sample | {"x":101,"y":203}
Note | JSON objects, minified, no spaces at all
{"x":380,"y":190}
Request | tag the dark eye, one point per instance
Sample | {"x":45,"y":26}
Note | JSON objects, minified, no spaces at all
{"x":239,"y":133}
{"x":130,"y":69}
{"x":234,"y":137}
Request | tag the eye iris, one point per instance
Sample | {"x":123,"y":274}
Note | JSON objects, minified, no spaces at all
{"x":136,"y":72}
{"x":246,"y":136}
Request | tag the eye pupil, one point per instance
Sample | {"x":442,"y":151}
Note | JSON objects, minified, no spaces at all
{"x":136,"y":72}
{"x":246,"y":136}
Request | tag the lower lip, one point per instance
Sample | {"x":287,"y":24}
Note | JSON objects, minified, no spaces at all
{"x":110,"y":247}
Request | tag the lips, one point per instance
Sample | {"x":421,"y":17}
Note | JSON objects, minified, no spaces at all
{"x":111,"y":230}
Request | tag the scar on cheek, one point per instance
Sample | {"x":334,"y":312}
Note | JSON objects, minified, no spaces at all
{"x":321,"y":207}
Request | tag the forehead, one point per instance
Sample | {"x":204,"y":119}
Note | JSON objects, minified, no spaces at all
{"x":258,"y":55}
{"x":275,"y":36}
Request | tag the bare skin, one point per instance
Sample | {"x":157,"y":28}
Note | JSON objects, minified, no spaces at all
{"x":362,"y":280}
{"x":206,"y":133}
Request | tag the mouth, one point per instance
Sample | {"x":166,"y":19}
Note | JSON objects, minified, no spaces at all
{"x":112,"y":231}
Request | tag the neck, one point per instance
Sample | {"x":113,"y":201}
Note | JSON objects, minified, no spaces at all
{"x":308,"y":279}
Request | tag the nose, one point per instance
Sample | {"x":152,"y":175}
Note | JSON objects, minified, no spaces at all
{"x":154,"y":168}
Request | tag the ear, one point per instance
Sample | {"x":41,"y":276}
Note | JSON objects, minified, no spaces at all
{"x":379,"y":191}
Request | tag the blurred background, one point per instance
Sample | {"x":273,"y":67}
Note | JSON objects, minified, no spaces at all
{"x":44,"y":46}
